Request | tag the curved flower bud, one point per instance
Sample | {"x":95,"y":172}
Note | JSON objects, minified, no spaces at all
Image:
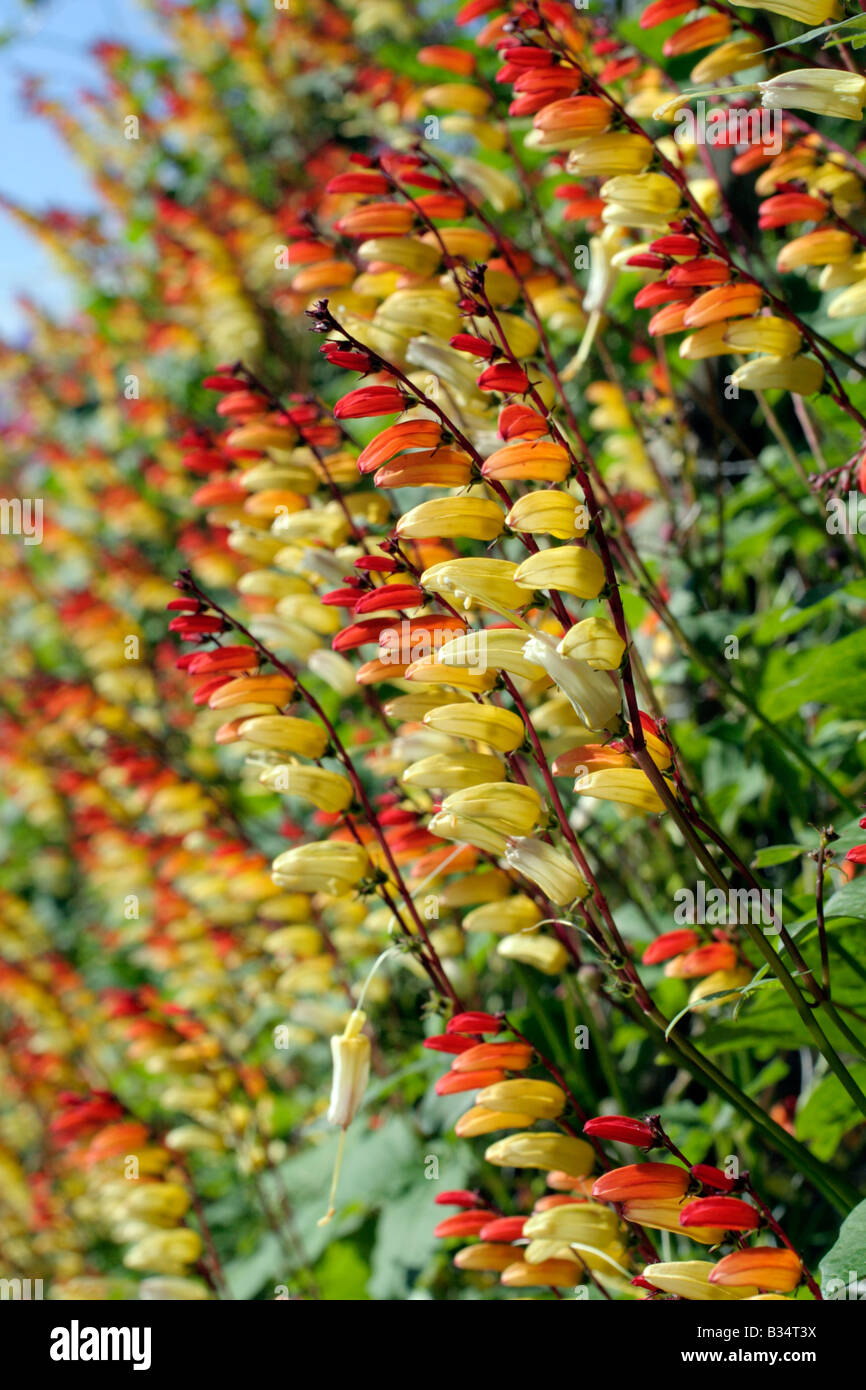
{"x":544,"y":1151}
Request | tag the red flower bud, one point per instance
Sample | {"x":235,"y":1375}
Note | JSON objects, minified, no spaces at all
{"x":474,"y":1023}
{"x":466,"y":1223}
{"x":371,"y":400}
{"x":467,"y":342}
{"x":728,"y":1213}
{"x":441,"y":1042}
{"x":502,"y":376}
{"x":709,"y":1176}
{"x":676,"y":245}
{"x":458,"y":1197}
{"x":390,"y":596}
{"x":673,"y":943}
{"x":503,"y":1228}
{"x":622,"y":1129}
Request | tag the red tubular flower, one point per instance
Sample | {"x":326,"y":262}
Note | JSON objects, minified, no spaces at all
{"x":443,"y":1042}
{"x":703,"y":270}
{"x":660,"y":11}
{"x":474,"y":9}
{"x":223,"y":659}
{"x":379,"y":564}
{"x":857,"y":855}
{"x":784,"y":208}
{"x":505,"y":1228}
{"x":660,"y":292}
{"x":346,"y":358}
{"x":467,"y":342}
{"x":358,"y":181}
{"x":466,"y":1223}
{"x":221,"y":383}
{"x":521,"y":422}
{"x":371,"y":400}
{"x":708,"y":1176}
{"x":390,"y":596}
{"x":622,"y":1129}
{"x":672,"y":943}
{"x":646,"y":260}
{"x":503,"y":376}
{"x":458,"y":1197}
{"x":342,"y":598}
{"x":728,"y":1213}
{"x":408,"y":434}
{"x":453,"y":1082}
{"x":474,"y":1022}
{"x":676,"y":244}
{"x":618,"y":68}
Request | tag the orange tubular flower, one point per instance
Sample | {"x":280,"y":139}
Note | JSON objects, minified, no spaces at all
{"x":457,"y":60}
{"x":784,"y":208}
{"x":532,"y":462}
{"x":455,"y":1081}
{"x":575,"y":116}
{"x":377,"y":219}
{"x":646,"y":1181}
{"x":698,"y":33}
{"x":670,"y":319}
{"x":702,"y":961}
{"x":728,"y":1213}
{"x":516,"y":1056}
{"x":703,"y":270}
{"x":439,"y":467}
{"x":408,"y":434}
{"x":763,"y":1267}
{"x":727,"y":302}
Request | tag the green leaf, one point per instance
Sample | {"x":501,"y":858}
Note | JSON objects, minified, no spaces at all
{"x":847,"y":1257}
{"x":828,"y":1114}
{"x":816,"y":33}
{"x":834,"y":674}
{"x":776,"y":854}
{"x":849,"y":900}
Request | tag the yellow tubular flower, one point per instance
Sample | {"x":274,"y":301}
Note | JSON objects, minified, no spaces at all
{"x":628,"y":786}
{"x":326,"y":866}
{"x":165,"y":1252}
{"x":640,"y":200}
{"x":350,"y":1055}
{"x":550,"y":513}
{"x":543,"y":953}
{"x":485,"y":1256}
{"x":717,"y":984}
{"x":454,"y":772}
{"x":777,"y":337}
{"x":409,"y":253}
{"x":457,"y":96}
{"x":851,"y":303}
{"x":477,"y":580}
{"x":549,"y":868}
{"x":545,"y":1151}
{"x":538,"y":462}
{"x":329,"y":791}
{"x":826,"y":91}
{"x":804,"y":11}
{"x":472,"y":518}
{"x":541,"y":1099}
{"x":551,"y":1274}
{"x":495,"y":187}
{"x":586,"y":1222}
{"x":467,"y":832}
{"x":724,"y":61}
{"x":802,"y":375}
{"x":691,"y":1279}
{"x":285,"y":734}
{"x":571,"y":569}
{"x":479,"y":1120}
{"x":827,"y":246}
{"x":501,"y":729}
{"x":595,"y":641}
{"x":430,"y":671}
{"x":620,"y":152}
{"x":507,"y":807}
{"x":522,"y":337}
{"x":495,"y":649}
{"x":593,"y":695}
{"x":516,"y":914}
{"x":663,"y":1214}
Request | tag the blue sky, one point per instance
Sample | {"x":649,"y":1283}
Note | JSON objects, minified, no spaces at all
{"x":35,"y":168}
